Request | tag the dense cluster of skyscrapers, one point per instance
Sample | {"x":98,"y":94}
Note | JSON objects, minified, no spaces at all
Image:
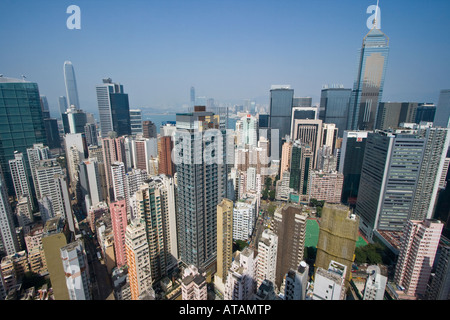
{"x":160,"y":210}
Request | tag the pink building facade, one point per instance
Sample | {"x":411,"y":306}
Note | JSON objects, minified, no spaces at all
{"x":418,"y":248}
{"x":118,"y":211}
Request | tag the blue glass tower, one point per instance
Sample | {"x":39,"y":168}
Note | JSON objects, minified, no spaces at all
{"x":71,"y":85}
{"x":368,"y":87}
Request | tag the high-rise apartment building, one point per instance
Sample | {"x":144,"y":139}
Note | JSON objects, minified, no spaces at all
{"x":418,"y":248}
{"x":113,"y":108}
{"x":118,"y":210}
{"x":267,"y":257}
{"x":71,"y":85}
{"x":196,"y":202}
{"x":296,"y":282}
{"x":326,"y":186}
{"x":338,"y":234}
{"x":35,"y":154}
{"x":90,"y":131}
{"x":224,"y":242}
{"x":76,"y":269}
{"x":329,"y":282}
{"x":241,"y":279}
{"x":375,"y":284}
{"x":21,"y":116}
{"x":368,"y":86}
{"x":8,"y":244}
{"x":19,"y":176}
{"x":149,"y":129}
{"x":193,"y":284}
{"x":290,"y":226}
{"x":113,"y":151}
{"x":166,"y":165}
{"x":138,"y":260}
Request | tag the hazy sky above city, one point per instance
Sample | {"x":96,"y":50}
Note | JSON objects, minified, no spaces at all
{"x":228,"y":50}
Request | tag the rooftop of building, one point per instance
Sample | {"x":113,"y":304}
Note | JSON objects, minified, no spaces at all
{"x":4,"y":79}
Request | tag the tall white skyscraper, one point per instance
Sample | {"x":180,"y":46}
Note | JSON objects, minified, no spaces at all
{"x":71,"y":85}
{"x":37,"y":153}
{"x":19,"y":176}
{"x":8,"y":244}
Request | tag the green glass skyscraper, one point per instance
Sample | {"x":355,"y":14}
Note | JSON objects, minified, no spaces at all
{"x":21,"y":122}
{"x":368,"y":86}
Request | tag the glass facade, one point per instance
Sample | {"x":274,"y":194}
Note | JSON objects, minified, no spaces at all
{"x":21,"y":122}
{"x":281,"y":101}
{"x":334,"y":104}
{"x":368,"y":86}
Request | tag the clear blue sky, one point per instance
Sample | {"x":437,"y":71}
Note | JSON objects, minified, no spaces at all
{"x":227,"y":49}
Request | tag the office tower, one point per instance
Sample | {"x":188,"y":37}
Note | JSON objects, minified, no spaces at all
{"x":71,"y":85}
{"x":90,"y":183}
{"x":290,"y":226}
{"x":329,"y":282}
{"x":267,"y":257}
{"x":297,"y":282}
{"x":437,"y":141}
{"x":76,"y":268}
{"x":150,"y":212}
{"x":9,"y":244}
{"x":197,"y":202}
{"x":392,"y":114}
{"x":309,"y":132}
{"x":303,"y":113}
{"x":113,"y":109}
{"x":350,"y":164}
{"x":21,"y":117}
{"x":439,"y":288}
{"x":368,"y":86}
{"x":281,"y":101}
{"x":19,"y":176}
{"x":90,"y":131}
{"x":113,"y":150}
{"x":302,"y":102}
{"x":166,"y":165}
{"x":224,"y":242}
{"x":53,"y":239}
{"x":418,"y":246}
{"x":375,"y":284}
{"x":337,"y":237}
{"x":149,"y":129}
{"x":52,"y":133}
{"x":74,"y":120}
{"x":334,"y":104}
{"x":136,"y":121}
{"x":263,"y":120}
{"x":389,"y":179}
{"x":326,"y":186}
{"x":138,"y":259}
{"x":425,"y":113}
{"x":62,"y":103}
{"x":193,"y":284}
{"x":241,"y":279}
{"x":301,"y":167}
{"x":442,"y":117}
{"x":192,"y":97}
{"x":118,"y":210}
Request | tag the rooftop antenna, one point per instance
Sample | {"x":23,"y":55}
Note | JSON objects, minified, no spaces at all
{"x":376,"y":15}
